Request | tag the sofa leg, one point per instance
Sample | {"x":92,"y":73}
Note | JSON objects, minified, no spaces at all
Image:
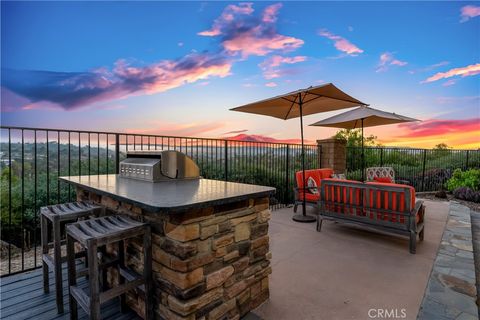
{"x":319,"y":223}
{"x":295,"y":206}
{"x":413,"y":242}
{"x":422,"y":234}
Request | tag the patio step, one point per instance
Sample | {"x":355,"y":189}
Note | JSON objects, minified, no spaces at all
{"x":451,"y":291}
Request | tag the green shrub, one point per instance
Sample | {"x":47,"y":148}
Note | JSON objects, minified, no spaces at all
{"x":469,"y":179}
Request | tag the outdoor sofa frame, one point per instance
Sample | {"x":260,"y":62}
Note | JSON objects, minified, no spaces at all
{"x":340,"y":207}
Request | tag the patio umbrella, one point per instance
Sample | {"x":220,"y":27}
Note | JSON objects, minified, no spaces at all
{"x":300,"y":103}
{"x":360,"y":118}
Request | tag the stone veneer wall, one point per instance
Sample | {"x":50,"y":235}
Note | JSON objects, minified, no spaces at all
{"x":334,"y":154}
{"x":208,"y":263}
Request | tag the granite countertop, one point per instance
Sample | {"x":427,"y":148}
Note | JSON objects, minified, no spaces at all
{"x":175,"y":195}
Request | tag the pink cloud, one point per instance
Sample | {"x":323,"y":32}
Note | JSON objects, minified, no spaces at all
{"x":236,"y":131}
{"x":468,"y":12}
{"x":210,"y":33}
{"x":176,"y":129}
{"x":435,"y":127}
{"x":396,"y":62}
{"x":341,"y":43}
{"x":467,"y":71}
{"x":269,"y":66}
{"x":276,"y":60}
{"x":242,"y":8}
{"x":254,"y":43}
{"x":263,"y":138}
{"x":387,"y":59}
{"x":241,"y":32}
{"x":430,"y":67}
{"x":270,"y":13}
{"x":244,"y":34}
{"x":80,"y":89}
{"x":270,"y":84}
{"x":169,"y":74}
{"x":228,"y":15}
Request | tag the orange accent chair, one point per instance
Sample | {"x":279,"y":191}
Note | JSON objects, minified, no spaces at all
{"x":314,"y":179}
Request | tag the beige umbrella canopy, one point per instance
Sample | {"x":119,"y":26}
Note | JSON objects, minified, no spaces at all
{"x":363,"y":116}
{"x":303,"y":102}
{"x":300,"y":103}
{"x":360,"y":118}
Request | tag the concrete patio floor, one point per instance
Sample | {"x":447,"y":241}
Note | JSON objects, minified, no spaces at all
{"x":344,"y":271}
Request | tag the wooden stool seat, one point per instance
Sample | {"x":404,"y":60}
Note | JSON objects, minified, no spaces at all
{"x":105,"y":230}
{"x":69,"y":211}
{"x":55,"y":215}
{"x":91,"y":234}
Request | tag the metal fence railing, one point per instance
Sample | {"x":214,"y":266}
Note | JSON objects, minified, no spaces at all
{"x":425,"y":169}
{"x":31,"y":160}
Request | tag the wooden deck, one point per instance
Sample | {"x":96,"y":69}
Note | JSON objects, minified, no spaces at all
{"x":22,"y":297}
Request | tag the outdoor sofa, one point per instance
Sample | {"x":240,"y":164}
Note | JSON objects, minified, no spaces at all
{"x":388,"y":207}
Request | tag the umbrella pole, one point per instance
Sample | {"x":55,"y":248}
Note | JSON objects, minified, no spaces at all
{"x":303,"y":217}
{"x":363,"y":157}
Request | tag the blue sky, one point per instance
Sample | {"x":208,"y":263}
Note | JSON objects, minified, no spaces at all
{"x":176,"y":68}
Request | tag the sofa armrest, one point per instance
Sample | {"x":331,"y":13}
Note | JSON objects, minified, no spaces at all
{"x":418,"y":206}
{"x":402,"y":182}
{"x":420,"y":210}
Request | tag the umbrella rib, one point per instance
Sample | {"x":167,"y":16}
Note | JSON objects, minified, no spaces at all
{"x":289,"y":99}
{"x":313,"y":99}
{"x":290,"y":110}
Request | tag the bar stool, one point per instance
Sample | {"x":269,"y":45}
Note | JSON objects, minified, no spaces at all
{"x":57,"y":214}
{"x":93,"y":233}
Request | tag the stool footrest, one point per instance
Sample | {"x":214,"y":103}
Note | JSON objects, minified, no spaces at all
{"x":120,"y":289}
{"x":82,"y":298}
{"x":50,"y":261}
{"x":108,"y":262}
{"x":81,"y":272}
{"x":131,"y":275}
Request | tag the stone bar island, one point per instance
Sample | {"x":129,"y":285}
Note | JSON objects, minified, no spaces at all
{"x":210,"y":243}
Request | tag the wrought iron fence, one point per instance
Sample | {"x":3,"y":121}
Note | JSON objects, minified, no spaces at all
{"x":33,"y":158}
{"x":425,"y":169}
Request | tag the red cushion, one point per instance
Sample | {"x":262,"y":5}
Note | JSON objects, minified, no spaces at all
{"x":337,"y":193}
{"x":317,"y":175}
{"x":383,"y":179}
{"x":308,"y":173}
{"x":396,"y":207}
{"x":325,"y":173}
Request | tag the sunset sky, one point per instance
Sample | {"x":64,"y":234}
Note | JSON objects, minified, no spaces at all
{"x":176,"y":68}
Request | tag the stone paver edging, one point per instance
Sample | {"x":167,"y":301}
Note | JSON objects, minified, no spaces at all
{"x":451,"y":291}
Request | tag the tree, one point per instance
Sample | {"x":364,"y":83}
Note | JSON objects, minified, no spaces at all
{"x":441,"y":146}
{"x":353,"y":137}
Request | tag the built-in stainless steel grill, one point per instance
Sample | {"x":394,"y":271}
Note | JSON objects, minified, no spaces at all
{"x":158,"y":166}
